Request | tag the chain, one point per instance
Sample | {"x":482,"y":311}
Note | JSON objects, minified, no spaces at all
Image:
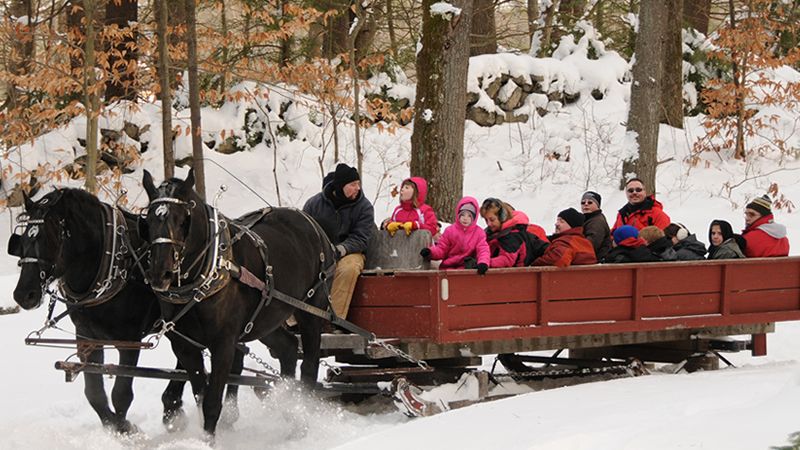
{"x":263,"y":364}
{"x":166,"y":327}
{"x":335,"y":369}
{"x":421,"y":363}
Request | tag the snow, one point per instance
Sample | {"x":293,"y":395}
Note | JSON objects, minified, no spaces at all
{"x":540,"y":167}
{"x":444,"y":9}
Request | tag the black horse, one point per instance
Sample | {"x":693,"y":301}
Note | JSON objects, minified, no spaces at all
{"x":202,"y":262}
{"x":90,"y":247}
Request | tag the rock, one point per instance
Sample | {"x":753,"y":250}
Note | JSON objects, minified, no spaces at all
{"x":110,"y":135}
{"x":509,"y":97}
{"x":132,"y":130}
{"x":228,"y":146}
{"x":493,"y":88}
{"x":597,"y":94}
{"x":571,"y":97}
{"x":472,"y":98}
{"x":482,"y":117}
{"x":516,"y":118}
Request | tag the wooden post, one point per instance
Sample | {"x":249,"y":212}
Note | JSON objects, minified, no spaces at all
{"x":542,"y":314}
{"x":759,"y":344}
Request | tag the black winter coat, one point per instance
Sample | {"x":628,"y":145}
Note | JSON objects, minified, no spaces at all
{"x":351,"y":224}
{"x":623,"y":254}
{"x":596,"y":230}
{"x":690,"y":249}
{"x":662,"y":248}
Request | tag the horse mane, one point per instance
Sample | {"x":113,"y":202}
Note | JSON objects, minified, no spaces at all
{"x":78,"y":203}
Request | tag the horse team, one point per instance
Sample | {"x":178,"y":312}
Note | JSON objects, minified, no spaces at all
{"x":207,"y":282}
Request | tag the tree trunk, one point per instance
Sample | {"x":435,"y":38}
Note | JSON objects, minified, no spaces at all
{"x":194,"y":99}
{"x":437,"y":144}
{"x":75,"y":31}
{"x":644,"y":114}
{"x":672,"y":81}
{"x":360,"y":16}
{"x":569,"y":12}
{"x":166,"y":88}
{"x":390,"y":26}
{"x":533,"y":19}
{"x":91,"y":98}
{"x":336,"y":35}
{"x":124,"y":54}
{"x":696,"y":14}
{"x":547,"y":32}
{"x":483,"y":35}
{"x":739,"y":75}
{"x":285,"y":43}
{"x":21,"y":57}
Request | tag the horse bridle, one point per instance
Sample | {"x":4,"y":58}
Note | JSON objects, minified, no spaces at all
{"x":161,"y":206}
{"x":34,"y":228}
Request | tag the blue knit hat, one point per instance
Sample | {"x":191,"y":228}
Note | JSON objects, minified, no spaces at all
{"x":625,"y":232}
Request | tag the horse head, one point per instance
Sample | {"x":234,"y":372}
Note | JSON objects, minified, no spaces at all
{"x":38,"y":246}
{"x":174,"y":225}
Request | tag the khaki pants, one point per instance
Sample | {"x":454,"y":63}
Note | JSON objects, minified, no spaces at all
{"x":344,"y":282}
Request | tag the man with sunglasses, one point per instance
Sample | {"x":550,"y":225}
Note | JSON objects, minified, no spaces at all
{"x":642,"y":210}
{"x":595,"y":227}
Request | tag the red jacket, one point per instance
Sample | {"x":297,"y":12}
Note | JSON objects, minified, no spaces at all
{"x":459,"y":242}
{"x":568,"y":248}
{"x":507,"y":246}
{"x":422,"y":217}
{"x":765,"y":238}
{"x":649,"y":212}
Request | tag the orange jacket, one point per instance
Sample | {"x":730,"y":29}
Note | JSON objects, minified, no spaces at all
{"x":566,"y":249}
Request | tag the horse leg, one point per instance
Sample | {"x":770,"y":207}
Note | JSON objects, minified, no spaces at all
{"x":230,"y":411}
{"x":95,"y":392}
{"x":174,"y":418}
{"x":190,"y":358}
{"x":282,"y":345}
{"x":310,"y":329}
{"x":222,"y":356}
{"x":122,"y":392}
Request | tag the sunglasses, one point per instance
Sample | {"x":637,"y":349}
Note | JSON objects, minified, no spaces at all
{"x":632,"y":190}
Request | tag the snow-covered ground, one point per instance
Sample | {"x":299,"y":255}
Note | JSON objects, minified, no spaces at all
{"x":751,"y":406}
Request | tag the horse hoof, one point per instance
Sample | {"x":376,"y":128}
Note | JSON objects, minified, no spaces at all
{"x":125,"y":427}
{"x":174,"y":420}
{"x":261,"y":392}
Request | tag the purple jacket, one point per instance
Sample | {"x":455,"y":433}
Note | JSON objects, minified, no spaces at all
{"x":459,"y":242}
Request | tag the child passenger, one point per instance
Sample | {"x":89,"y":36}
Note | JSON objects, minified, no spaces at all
{"x":463,"y":244}
{"x":413,"y":213}
{"x":507,"y":234}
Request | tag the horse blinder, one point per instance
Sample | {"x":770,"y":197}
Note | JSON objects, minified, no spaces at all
{"x":15,"y":245}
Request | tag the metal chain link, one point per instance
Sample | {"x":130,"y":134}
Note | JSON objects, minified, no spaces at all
{"x":263,"y":364}
{"x":419,"y":362}
{"x":335,"y":369}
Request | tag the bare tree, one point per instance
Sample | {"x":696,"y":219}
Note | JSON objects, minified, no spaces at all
{"x":533,"y":18}
{"x":437,"y":144}
{"x":91,"y":98}
{"x":672,"y":81}
{"x":644,"y":114}
{"x":23,"y":50}
{"x":483,"y":33}
{"x":194,"y":99}
{"x":166,"y":88}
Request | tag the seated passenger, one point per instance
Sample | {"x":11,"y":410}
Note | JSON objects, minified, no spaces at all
{"x":463,"y":244}
{"x":510,"y":243}
{"x":629,"y":247}
{"x":641,"y":210}
{"x":595,"y":227}
{"x":658,"y":243}
{"x":568,"y":246}
{"x":685,"y":243}
{"x":764,"y":237}
{"x":412,"y":213}
{"x":723,"y":243}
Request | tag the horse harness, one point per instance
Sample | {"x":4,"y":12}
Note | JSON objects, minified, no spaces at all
{"x":115,"y":259}
{"x":219,"y":267}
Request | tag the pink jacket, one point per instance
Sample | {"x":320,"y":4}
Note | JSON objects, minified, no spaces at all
{"x":423,"y":217}
{"x":459,"y":242}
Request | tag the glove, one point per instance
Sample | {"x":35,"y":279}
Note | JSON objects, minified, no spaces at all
{"x":393,"y":227}
{"x":425,"y":253}
{"x":408,"y":226}
{"x":482,"y":268}
{"x":340,"y":251}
